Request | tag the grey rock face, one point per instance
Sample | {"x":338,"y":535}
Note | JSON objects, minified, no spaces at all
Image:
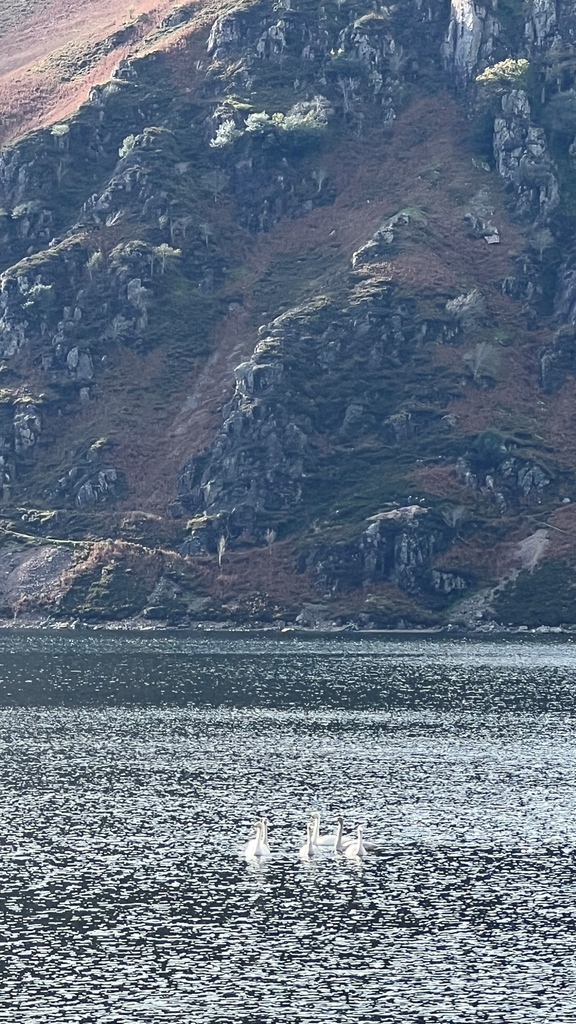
{"x":466,"y":313}
{"x":257,"y":462}
{"x":480,"y":217}
{"x":97,"y":488}
{"x":27,"y":426}
{"x":89,"y":482}
{"x":558,"y":360}
{"x":311,"y":35}
{"x":448,"y":582}
{"x":492,"y":468}
{"x":470,"y":42}
{"x":226,"y":34}
{"x":522,"y":160}
{"x":134,"y":189}
{"x":542,"y":23}
{"x":397,"y":546}
{"x":261,"y":458}
{"x":34,"y":172}
{"x":51,"y":306}
{"x":179,"y":16}
{"x":565,"y":298}
{"x":80,"y":364}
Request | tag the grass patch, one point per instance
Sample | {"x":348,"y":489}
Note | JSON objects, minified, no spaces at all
{"x":544,"y":597}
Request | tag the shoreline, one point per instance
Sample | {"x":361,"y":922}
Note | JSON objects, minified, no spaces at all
{"x":492,"y":631}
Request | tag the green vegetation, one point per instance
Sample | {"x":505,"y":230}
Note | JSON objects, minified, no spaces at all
{"x":509,"y":73}
{"x":544,"y":597}
{"x":108,"y":585}
{"x":297,"y":127}
{"x":117,"y":580}
{"x":396,"y":611}
{"x":127,"y":146}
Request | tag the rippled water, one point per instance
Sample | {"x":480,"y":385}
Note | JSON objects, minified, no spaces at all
{"x":132,"y":767}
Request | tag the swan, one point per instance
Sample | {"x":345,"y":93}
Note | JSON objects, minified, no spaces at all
{"x":264,"y":823}
{"x":356,"y":848}
{"x":341,"y":842}
{"x":307,"y":851}
{"x":317,"y":839}
{"x":257,"y":847}
{"x":251,"y":846}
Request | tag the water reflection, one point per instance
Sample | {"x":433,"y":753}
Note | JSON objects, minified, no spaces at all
{"x":125,"y":898}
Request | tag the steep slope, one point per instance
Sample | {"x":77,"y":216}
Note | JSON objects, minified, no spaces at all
{"x":53,"y":50}
{"x":287,"y":310}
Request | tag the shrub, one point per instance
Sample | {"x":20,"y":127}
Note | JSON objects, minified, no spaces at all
{"x":226,"y":135}
{"x":303,"y":122}
{"x":127,"y":146}
{"x":259,"y":123}
{"x":509,"y":73}
{"x":95,"y":262}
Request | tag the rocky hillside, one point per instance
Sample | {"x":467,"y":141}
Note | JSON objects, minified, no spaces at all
{"x":287,"y":308}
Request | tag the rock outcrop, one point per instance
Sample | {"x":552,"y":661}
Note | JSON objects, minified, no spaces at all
{"x":398,"y":546}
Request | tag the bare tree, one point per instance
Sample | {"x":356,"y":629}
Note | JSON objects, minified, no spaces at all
{"x":221,"y":548}
{"x":206,"y":232}
{"x":320,"y":177}
{"x":95,"y":263}
{"x":167,"y":255}
{"x":347,"y":86}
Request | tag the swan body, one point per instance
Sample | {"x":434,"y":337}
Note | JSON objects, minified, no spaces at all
{"x":257,"y":847}
{"x":307,"y":851}
{"x":356,"y":848}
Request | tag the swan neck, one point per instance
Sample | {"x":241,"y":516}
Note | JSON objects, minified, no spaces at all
{"x":258,"y":847}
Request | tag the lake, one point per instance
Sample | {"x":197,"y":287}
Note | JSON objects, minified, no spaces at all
{"x":133,"y":766}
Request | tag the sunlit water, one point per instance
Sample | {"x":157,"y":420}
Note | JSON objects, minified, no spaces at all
{"x":132,"y":768}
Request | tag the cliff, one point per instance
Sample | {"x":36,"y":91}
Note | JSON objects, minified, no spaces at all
{"x":287,"y":308}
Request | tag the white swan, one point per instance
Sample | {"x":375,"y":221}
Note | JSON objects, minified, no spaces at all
{"x":307,"y":851}
{"x":251,"y":846}
{"x":317,"y":839}
{"x":356,"y":848}
{"x":340,"y":842}
{"x":257,"y":847}
{"x":264,"y":823}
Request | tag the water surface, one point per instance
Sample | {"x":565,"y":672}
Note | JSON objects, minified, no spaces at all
{"x":132,"y":767}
